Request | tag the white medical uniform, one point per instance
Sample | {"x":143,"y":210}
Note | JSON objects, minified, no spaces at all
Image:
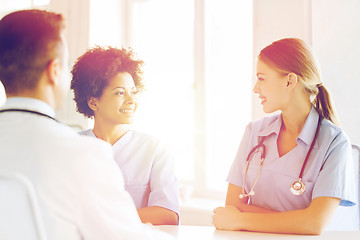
{"x":80,"y":188}
{"x":147,"y":166}
{"x":328,"y":172}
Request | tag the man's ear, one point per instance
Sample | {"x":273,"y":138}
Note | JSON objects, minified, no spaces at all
{"x":292,"y":80}
{"x":53,"y":71}
{"x":92,"y":103}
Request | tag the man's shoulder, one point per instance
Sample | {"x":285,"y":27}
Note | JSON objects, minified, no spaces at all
{"x":68,"y":140}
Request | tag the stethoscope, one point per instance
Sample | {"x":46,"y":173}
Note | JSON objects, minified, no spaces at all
{"x":297,"y":187}
{"x":27,"y":111}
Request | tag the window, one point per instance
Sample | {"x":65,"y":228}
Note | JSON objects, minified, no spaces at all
{"x":162,"y":34}
{"x":198,"y":69}
{"x":11,"y":5}
{"x":228,"y":84}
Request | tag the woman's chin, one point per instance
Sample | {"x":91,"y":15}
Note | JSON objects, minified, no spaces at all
{"x":266,"y":109}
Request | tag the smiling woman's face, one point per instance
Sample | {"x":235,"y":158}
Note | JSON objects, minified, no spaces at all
{"x":271,"y":87}
{"x":118,"y":102}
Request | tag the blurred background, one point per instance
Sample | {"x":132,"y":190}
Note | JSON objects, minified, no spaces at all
{"x":200,"y":57}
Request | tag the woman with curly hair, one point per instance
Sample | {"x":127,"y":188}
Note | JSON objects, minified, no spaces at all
{"x":106,"y":82}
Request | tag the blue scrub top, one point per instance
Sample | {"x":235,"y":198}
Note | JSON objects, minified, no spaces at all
{"x":328,"y":173}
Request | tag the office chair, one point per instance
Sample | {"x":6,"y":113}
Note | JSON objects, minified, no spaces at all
{"x":356,"y":156}
{"x":348,"y":218}
{"x":19,"y":210}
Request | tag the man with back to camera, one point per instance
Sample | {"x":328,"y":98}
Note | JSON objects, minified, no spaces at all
{"x":80,"y":188}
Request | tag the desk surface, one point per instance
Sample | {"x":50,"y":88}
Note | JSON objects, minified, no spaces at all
{"x":205,"y":232}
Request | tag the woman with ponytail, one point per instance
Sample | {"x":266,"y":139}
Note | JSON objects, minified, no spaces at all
{"x":292,"y":169}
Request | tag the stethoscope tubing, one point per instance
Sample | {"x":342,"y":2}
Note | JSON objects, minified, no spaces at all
{"x":27,"y":111}
{"x":263,"y":154}
{"x":311,"y":147}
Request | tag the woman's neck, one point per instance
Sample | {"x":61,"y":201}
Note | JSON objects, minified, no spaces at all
{"x":294,"y":118}
{"x":110,"y":133}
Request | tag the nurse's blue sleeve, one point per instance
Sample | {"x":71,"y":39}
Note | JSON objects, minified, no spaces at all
{"x":336,"y":178}
{"x":236,"y":173}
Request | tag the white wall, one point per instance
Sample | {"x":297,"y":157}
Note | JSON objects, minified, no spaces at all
{"x":336,"y":41}
{"x":331,"y":27}
{"x":76,"y":14}
{"x":274,"y":20}
{"x":2,"y":94}
{"x":107,"y":23}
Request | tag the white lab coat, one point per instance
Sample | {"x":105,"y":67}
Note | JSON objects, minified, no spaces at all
{"x":80,"y":187}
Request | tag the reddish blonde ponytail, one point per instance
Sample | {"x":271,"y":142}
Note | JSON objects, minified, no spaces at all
{"x":323,"y":104}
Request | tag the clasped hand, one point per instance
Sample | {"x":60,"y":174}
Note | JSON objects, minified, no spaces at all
{"x":227,"y":218}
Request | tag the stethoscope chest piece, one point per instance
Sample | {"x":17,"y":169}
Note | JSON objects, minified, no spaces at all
{"x":297,"y":187}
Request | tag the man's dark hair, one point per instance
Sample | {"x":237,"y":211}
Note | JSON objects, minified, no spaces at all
{"x":29,"y":40}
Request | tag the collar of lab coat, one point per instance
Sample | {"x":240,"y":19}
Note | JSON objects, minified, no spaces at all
{"x":28,"y":104}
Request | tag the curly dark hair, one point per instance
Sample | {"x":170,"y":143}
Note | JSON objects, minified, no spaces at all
{"x":94,"y":69}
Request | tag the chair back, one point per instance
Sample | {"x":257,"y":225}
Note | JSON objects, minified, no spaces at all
{"x":19,"y":210}
{"x":356,"y":156}
{"x":348,"y":218}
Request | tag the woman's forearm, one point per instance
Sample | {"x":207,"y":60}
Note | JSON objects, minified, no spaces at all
{"x":158,"y":216}
{"x":311,"y":220}
{"x":253,"y":209}
{"x":292,"y":222}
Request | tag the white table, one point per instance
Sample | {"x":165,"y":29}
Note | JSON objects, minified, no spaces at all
{"x":206,"y":233}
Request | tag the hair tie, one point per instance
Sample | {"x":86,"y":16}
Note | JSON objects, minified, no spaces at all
{"x":319,"y":85}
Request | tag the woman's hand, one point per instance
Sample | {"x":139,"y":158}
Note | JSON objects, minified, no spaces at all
{"x":227,"y":218}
